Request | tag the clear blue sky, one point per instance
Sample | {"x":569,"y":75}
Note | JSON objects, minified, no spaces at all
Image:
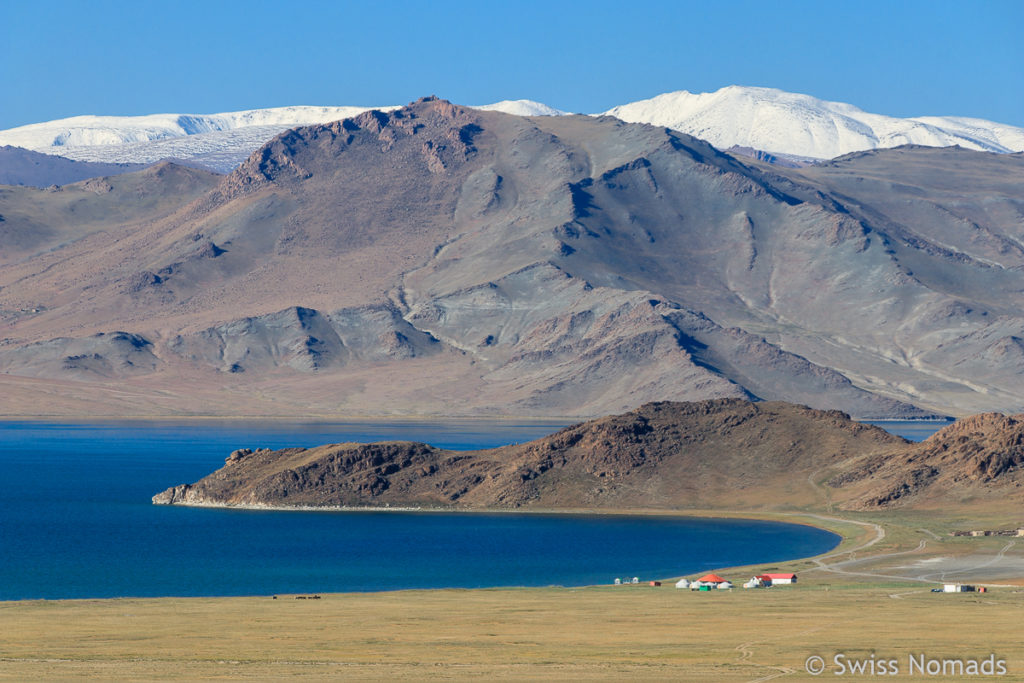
{"x":897,"y":57}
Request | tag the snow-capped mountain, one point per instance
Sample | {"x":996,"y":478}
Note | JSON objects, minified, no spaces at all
{"x":89,"y":131}
{"x":789,"y":123}
{"x":219,"y":142}
{"x":218,"y":150}
{"x":765,"y":119}
{"x":522,"y":108}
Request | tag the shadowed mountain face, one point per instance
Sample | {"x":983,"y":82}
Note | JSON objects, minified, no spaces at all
{"x":52,"y":223}
{"x":20,"y":166}
{"x":443,"y":260}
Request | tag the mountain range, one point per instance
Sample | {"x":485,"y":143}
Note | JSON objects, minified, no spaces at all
{"x":772,"y":124}
{"x":438,"y":259}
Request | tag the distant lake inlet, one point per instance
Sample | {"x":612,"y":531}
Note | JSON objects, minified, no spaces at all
{"x":76,"y":522}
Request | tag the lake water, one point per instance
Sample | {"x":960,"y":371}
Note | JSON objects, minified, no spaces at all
{"x":76,"y":522}
{"x":913,"y":430}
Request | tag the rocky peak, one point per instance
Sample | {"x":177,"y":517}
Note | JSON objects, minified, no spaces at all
{"x":988,"y":425}
{"x":977,"y":455}
{"x":443,"y":132}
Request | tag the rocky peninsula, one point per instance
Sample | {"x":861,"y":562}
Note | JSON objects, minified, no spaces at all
{"x":722,"y":453}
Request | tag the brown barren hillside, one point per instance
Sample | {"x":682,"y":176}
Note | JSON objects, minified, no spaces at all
{"x":725,"y":452}
{"x":975,"y":460}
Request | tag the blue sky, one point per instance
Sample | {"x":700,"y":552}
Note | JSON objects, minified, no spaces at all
{"x":901,"y":58}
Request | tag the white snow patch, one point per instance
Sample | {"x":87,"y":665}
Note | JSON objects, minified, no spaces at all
{"x":790,"y":123}
{"x":522,"y":108}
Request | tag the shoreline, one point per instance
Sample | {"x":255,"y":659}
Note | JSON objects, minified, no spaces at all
{"x":796,"y":518}
{"x":752,"y":515}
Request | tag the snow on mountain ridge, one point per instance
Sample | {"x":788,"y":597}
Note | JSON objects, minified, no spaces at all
{"x":766,"y":119}
{"x":79,"y":131}
{"x":522,"y":108}
{"x":776,"y":121}
{"x":218,"y":150}
{"x":92,"y":131}
{"x":219,"y":142}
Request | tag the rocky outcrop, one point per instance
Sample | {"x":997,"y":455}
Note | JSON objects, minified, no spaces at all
{"x":661,"y":456}
{"x":306,"y":340}
{"x":106,"y":355}
{"x":979,"y":457}
{"x":725,"y":453}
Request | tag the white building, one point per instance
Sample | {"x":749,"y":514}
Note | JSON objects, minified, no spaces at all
{"x":777,"y":579}
{"x":957,"y":588}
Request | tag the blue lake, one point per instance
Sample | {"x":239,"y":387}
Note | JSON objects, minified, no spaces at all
{"x":76,"y":522}
{"x":912,"y":430}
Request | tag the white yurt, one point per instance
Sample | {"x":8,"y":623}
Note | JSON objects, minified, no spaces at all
{"x":725,"y":585}
{"x":683,"y":583}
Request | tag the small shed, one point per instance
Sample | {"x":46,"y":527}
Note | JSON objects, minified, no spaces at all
{"x":957,"y":588}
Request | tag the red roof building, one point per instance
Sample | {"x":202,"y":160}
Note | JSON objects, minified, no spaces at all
{"x":776,"y":579}
{"x":711,"y":578}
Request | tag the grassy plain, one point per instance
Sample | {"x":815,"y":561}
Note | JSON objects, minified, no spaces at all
{"x":600,"y":633}
{"x":870,"y":596}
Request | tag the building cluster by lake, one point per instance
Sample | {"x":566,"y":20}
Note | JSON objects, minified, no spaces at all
{"x":710,"y":582}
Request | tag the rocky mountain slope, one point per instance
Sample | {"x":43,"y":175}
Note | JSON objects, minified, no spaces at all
{"x":38,"y":221}
{"x":23,"y":167}
{"x":724,"y":453}
{"x":662,"y":455}
{"x":974,"y":460}
{"x":439,"y":259}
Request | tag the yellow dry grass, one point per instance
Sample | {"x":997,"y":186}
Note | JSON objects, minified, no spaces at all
{"x":598,"y":633}
{"x":602,"y":633}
